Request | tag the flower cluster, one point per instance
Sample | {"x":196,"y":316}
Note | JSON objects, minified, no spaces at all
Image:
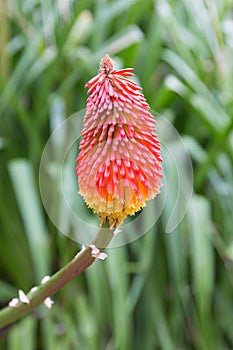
{"x":119,"y":164}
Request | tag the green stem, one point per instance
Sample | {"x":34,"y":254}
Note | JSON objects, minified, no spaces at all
{"x":79,"y":263}
{"x":4,"y":40}
{"x":217,"y":145}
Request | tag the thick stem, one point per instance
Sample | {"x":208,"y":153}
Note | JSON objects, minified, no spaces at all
{"x":79,"y":263}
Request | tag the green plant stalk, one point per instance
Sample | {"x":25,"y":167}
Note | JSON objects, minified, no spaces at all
{"x":4,"y":39}
{"x":77,"y":265}
{"x":213,"y":151}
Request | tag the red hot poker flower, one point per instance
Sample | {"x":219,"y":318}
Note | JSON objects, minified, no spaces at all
{"x":119,"y":164}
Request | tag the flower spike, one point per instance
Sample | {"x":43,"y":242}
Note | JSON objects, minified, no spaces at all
{"x":119,"y":164}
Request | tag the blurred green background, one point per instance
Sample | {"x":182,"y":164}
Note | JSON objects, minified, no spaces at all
{"x":163,"y":291}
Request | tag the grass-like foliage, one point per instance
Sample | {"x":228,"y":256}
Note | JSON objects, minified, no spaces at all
{"x":163,"y":291}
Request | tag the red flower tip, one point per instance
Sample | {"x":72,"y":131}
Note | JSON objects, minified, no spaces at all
{"x":107,"y":65}
{"x":119,"y":164}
